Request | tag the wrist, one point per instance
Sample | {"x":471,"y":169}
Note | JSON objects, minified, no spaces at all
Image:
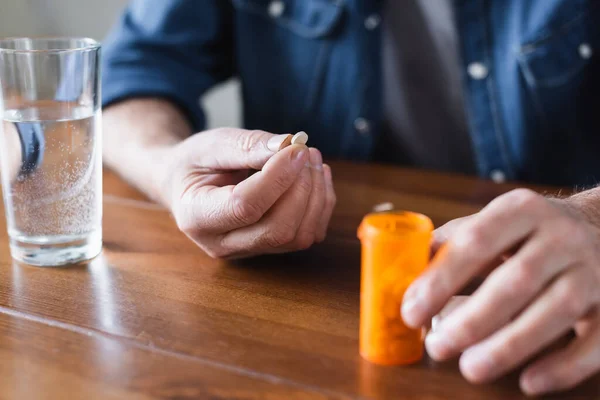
{"x":145,"y":167}
{"x":158,"y":161}
{"x":140,"y":141}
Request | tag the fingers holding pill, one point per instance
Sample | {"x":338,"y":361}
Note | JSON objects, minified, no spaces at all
{"x":284,"y":206}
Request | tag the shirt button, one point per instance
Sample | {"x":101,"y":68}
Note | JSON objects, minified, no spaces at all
{"x":276,"y":8}
{"x":362,"y":126}
{"x":477,"y":71}
{"x":585,"y":51}
{"x":372,"y":21}
{"x":498,"y":176}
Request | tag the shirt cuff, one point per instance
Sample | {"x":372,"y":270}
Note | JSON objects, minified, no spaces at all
{"x":120,"y":87}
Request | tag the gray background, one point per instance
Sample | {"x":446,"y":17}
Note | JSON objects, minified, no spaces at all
{"x":93,"y":18}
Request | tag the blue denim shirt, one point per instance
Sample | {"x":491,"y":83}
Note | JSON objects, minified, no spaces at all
{"x":531,"y":74}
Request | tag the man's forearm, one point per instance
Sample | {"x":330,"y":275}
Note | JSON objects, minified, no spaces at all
{"x":138,"y":134}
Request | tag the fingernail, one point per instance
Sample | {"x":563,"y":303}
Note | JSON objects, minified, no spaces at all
{"x":437,"y":345}
{"x":299,"y":154}
{"x":279,"y":142}
{"x":475,"y":365}
{"x":535,"y":385}
{"x":316,"y":160}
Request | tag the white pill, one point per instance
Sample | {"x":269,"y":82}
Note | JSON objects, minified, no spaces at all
{"x":300,"y":138}
{"x":382,"y":207}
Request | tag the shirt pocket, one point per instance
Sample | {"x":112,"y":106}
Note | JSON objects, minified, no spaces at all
{"x":557,"y":67}
{"x":283,"y":50}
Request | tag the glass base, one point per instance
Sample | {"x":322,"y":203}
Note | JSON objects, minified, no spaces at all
{"x":56,"y":251}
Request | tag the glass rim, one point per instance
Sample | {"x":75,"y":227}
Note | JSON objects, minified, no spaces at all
{"x":84,"y":44}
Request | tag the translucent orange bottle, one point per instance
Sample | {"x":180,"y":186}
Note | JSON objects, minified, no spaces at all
{"x":395,"y":251}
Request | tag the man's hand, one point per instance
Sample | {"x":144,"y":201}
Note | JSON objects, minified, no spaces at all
{"x":546,"y":282}
{"x":285,"y":206}
{"x":204,"y":179}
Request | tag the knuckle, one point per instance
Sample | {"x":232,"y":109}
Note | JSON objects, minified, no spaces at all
{"x":304,"y":240}
{"x":249,"y":140}
{"x":280,"y":237}
{"x":245,"y":212}
{"x":524,"y":198}
{"x":522,"y":277}
{"x":454,"y":224}
{"x":475,"y":237}
{"x":518,"y":199}
{"x":569,"y":298}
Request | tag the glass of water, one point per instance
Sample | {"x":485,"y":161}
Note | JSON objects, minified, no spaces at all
{"x":51,"y":149}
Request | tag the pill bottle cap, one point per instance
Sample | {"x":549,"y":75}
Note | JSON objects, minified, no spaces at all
{"x":394,"y":226}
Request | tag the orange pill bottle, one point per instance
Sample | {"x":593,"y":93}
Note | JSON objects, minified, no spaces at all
{"x":395,"y":251}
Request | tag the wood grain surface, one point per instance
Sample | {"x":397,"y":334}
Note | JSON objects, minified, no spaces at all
{"x":154,"y":317}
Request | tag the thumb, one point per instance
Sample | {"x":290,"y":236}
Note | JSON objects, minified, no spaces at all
{"x":233,"y":149}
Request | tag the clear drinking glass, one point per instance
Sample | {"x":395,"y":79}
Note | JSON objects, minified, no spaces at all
{"x":51,"y":148}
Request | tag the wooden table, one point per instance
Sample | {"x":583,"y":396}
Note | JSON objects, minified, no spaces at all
{"x":154,"y":317}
